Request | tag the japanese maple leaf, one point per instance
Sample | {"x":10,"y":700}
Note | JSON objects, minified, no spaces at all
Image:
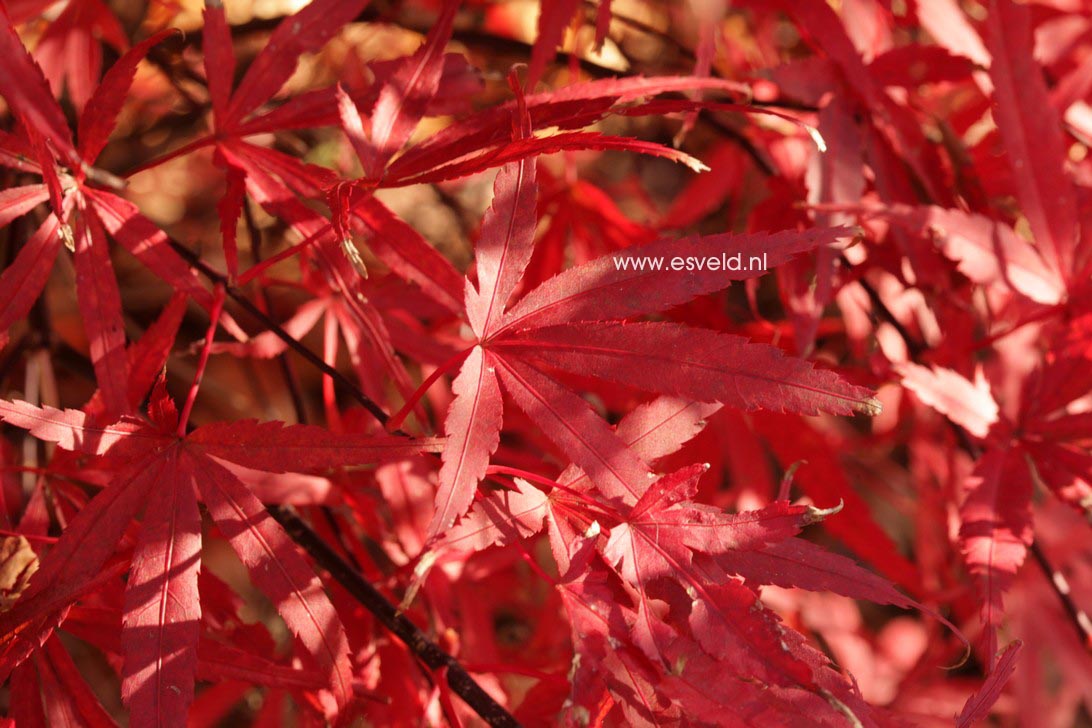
{"x":167,"y":473}
{"x":657,"y":659}
{"x":1045,"y":443}
{"x":70,"y":49}
{"x":574,"y":323}
{"x":277,"y":181}
{"x":379,"y":121}
{"x":658,"y":540}
{"x":666,"y":537}
{"x":480,"y":142}
{"x":82,"y":212}
{"x":1056,"y":259}
{"x":307,"y":30}
{"x":51,"y":672}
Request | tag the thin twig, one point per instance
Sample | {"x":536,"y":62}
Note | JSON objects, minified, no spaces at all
{"x":428,"y":651}
{"x":1077,"y":616}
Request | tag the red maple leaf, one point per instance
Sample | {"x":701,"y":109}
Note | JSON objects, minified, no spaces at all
{"x":166,"y":474}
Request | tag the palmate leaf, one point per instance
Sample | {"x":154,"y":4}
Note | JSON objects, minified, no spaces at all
{"x":654,"y":658}
{"x":166,"y":476}
{"x":82,"y":215}
{"x":563,"y":325}
{"x":665,"y":537}
{"x":307,"y":30}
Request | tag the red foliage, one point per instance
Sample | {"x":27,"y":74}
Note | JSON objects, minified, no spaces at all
{"x":605,"y":485}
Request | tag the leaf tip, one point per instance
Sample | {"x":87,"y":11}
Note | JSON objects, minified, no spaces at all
{"x":816,"y":515}
{"x":870,"y":407}
{"x":354,"y":257}
{"x":420,"y":573}
{"x":696,"y":164}
{"x":67,"y":237}
{"x":816,"y":137}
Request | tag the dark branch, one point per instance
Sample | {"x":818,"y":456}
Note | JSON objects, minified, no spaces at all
{"x":428,"y":651}
{"x":1077,"y":616}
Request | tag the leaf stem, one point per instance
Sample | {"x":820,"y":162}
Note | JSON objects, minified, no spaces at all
{"x":260,"y":267}
{"x":214,"y":321}
{"x":181,"y":151}
{"x":28,"y":536}
{"x":399,"y":417}
{"x":542,"y":480}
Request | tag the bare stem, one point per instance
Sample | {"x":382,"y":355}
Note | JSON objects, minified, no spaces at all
{"x":462,"y":684}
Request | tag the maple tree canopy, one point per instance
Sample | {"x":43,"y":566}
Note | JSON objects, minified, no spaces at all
{"x":615,"y":363}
